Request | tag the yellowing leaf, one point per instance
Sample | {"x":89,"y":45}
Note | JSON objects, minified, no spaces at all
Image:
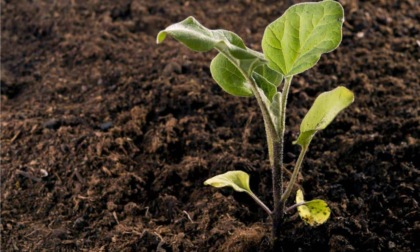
{"x":314,"y":212}
{"x":325,"y":108}
{"x":238,"y":180}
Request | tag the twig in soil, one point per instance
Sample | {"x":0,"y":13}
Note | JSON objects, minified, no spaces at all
{"x":78,"y":176}
{"x":115,"y":217}
{"x":28,"y":175}
{"x":15,"y":136}
{"x":31,"y":233}
{"x":189,"y":217}
{"x":106,"y":171}
{"x":147,"y":213}
{"x":159,"y":246}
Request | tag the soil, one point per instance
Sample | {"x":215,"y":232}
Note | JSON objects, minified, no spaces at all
{"x":106,"y":137}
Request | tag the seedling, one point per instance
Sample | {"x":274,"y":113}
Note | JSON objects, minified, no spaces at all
{"x":291,"y":45}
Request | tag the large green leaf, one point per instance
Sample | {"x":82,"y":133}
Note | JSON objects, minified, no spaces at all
{"x":294,"y":42}
{"x":238,"y":180}
{"x":314,"y":212}
{"x":325,"y":108}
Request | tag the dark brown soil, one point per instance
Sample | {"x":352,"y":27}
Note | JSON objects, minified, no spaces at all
{"x":106,"y":137}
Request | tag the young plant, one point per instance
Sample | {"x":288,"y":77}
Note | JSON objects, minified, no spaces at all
{"x":291,"y":45}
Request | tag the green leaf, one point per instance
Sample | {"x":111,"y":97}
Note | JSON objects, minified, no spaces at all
{"x":267,"y":87}
{"x":231,"y":80}
{"x":232,"y":65}
{"x":267,"y":80}
{"x":325,"y":108}
{"x":294,"y":42}
{"x":198,"y":38}
{"x":228,"y":76}
{"x":269,"y":74}
{"x":238,"y":180}
{"x":314,"y":212}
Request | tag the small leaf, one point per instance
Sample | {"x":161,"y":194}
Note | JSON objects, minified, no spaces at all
{"x":238,"y":180}
{"x":294,"y":42}
{"x":314,"y":212}
{"x":323,"y":111}
{"x":229,"y":78}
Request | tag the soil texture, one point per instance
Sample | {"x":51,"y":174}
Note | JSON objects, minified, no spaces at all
{"x":107,"y":138}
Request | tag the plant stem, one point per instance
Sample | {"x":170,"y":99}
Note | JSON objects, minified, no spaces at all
{"x":295,"y":173}
{"x":275,"y":139}
{"x":277,"y":167}
{"x":294,"y":206}
{"x":277,"y":175}
{"x":259,"y":202}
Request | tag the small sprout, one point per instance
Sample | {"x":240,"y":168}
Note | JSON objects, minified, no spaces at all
{"x":314,"y":212}
{"x":291,"y":45}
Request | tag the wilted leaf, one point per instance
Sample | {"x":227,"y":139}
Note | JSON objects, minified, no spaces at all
{"x":323,"y":111}
{"x":314,"y":212}
{"x":238,"y":180}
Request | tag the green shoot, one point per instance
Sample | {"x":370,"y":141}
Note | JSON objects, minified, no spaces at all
{"x":291,"y":45}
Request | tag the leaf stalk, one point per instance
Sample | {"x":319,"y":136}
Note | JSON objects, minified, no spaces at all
{"x":259,"y":202}
{"x":295,"y":174}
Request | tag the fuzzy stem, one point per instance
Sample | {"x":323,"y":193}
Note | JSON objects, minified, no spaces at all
{"x":277,"y":168}
{"x":277,"y":186}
